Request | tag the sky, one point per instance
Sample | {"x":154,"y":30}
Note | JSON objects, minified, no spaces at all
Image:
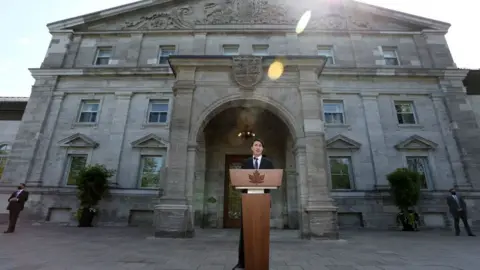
{"x":26,"y":37}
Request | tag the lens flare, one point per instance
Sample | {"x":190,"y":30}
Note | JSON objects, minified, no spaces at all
{"x":275,"y":70}
{"x":303,"y":22}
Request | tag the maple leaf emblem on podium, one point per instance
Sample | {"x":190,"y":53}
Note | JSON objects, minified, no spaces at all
{"x":256,"y":178}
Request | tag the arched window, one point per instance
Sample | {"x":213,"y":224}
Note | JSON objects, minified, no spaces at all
{"x":4,"y":151}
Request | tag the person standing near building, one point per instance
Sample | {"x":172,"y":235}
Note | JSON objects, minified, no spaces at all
{"x":16,"y":203}
{"x":458,"y":209}
{"x":257,"y":161}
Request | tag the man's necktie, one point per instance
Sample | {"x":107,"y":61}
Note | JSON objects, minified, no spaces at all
{"x":256,"y":163}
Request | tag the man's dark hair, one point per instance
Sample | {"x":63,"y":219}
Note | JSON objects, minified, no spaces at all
{"x":258,"y":140}
{"x":22,"y":184}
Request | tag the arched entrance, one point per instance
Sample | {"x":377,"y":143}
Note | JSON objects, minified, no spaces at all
{"x":216,"y":204}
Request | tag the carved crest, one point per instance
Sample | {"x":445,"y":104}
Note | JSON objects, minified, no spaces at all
{"x":256,"y":178}
{"x":247,"y":70}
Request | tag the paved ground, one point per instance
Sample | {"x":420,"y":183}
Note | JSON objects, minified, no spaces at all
{"x":60,"y":248}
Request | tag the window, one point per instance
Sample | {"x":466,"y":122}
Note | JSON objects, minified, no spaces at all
{"x":4,"y":152}
{"x":390,"y":56}
{"x":89,"y":111}
{"x":340,"y":172}
{"x":260,"y":50}
{"x":164,"y":53}
{"x":326,"y":51}
{"x":405,"y":112}
{"x":420,"y":165}
{"x":103,"y":56}
{"x":158,"y":111}
{"x":150,"y":171}
{"x":333,"y":112}
{"x":74,"y":164}
{"x":230,"y":49}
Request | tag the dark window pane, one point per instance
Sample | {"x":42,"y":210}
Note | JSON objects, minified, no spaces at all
{"x":341,"y":182}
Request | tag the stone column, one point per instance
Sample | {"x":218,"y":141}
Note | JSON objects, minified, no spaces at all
{"x":376,"y":139}
{"x":322,"y":214}
{"x":172,"y":217}
{"x":464,"y":124}
{"x":117,"y":130}
{"x":29,"y":136}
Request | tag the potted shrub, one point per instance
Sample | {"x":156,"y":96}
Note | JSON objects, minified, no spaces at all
{"x":405,"y":187}
{"x":92,"y":187}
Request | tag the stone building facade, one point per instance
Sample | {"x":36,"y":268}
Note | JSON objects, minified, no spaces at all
{"x":161,"y":90}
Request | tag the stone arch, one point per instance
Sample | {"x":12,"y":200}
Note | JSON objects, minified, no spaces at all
{"x":295,"y":128}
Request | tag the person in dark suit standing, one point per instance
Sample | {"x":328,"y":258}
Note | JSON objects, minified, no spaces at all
{"x":458,"y":209}
{"x":16,"y":203}
{"x":259,"y":162}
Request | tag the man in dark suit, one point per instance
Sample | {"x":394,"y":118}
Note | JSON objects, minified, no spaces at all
{"x":458,"y":209}
{"x":16,"y":203}
{"x":256,"y":161}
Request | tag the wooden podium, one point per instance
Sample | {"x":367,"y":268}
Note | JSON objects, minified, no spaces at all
{"x":256,"y":213}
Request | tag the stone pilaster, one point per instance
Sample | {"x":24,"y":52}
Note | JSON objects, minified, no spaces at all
{"x":293,"y":45}
{"x":117,"y":130}
{"x":322,"y":214}
{"x":172,"y":217}
{"x":463,"y":123}
{"x":437,"y":47}
{"x":376,"y":139}
{"x":57,"y":50}
{"x":451,"y":149}
{"x":199,"y":43}
{"x":29,"y":136}
{"x":45,"y":140}
{"x":199,"y":191}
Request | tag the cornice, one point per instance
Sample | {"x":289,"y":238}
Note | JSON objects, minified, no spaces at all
{"x":249,"y":29}
{"x":199,"y":62}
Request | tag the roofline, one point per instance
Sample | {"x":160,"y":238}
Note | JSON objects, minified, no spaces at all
{"x":102,"y":14}
{"x":97,"y":15}
{"x":436,"y":24}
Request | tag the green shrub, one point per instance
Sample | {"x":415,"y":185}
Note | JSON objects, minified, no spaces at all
{"x":92,"y":185}
{"x":405,"y":188}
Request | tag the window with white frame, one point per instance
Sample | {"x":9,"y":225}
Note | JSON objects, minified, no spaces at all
{"x":341,"y":172}
{"x":326,"y":51}
{"x":75,"y":163}
{"x":390,"y":56}
{"x":4,"y":152}
{"x":333,"y":112}
{"x":164,"y":53}
{"x":150,"y":171}
{"x":405,"y":112}
{"x":89,"y":111}
{"x":158,"y":111}
{"x":230,"y":49}
{"x":104,"y":55}
{"x":260,"y":50}
{"x":420,"y":165}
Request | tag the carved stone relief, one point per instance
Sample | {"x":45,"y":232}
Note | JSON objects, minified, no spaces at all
{"x":260,"y":12}
{"x":173,"y":19}
{"x":247,"y":71}
{"x":245,"y":12}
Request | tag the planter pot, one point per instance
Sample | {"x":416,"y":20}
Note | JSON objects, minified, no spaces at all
{"x":86,"y":218}
{"x":410,"y":222}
